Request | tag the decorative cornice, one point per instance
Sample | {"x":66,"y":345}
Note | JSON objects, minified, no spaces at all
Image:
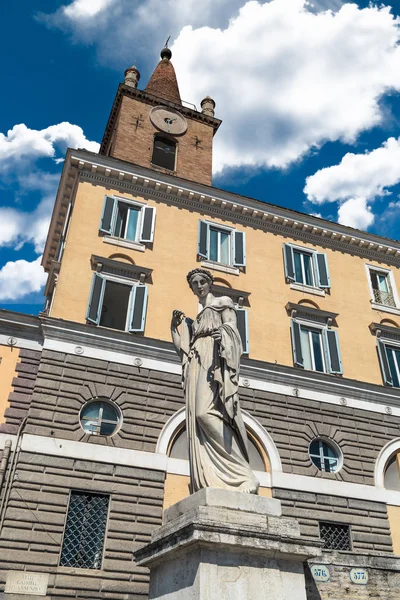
{"x":238,"y":296}
{"x":385,"y":331}
{"x":82,"y":165}
{"x":119,"y":268}
{"x":311,"y":314}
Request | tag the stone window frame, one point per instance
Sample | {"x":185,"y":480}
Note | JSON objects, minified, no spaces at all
{"x":389,"y":274}
{"x":335,"y":446}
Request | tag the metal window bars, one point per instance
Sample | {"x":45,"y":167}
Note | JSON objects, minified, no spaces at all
{"x":85,"y":531}
{"x":335,"y":536}
{"x":384,"y":298}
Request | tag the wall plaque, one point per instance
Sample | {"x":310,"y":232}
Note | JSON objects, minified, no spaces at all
{"x":26,"y":582}
{"x":359,"y":576}
{"x":320,"y":573}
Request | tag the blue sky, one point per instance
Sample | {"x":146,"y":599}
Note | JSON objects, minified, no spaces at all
{"x":308,"y":95}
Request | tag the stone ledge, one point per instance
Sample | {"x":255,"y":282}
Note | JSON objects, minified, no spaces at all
{"x":249,"y":503}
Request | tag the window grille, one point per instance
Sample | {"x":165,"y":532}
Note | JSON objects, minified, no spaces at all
{"x":335,"y":536}
{"x":85,"y":531}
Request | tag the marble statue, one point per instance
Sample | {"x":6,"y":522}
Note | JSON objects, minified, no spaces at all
{"x":210,"y":348}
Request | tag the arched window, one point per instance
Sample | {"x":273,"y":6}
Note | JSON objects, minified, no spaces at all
{"x":179,"y":449}
{"x":392,"y":473}
{"x":164,"y":153}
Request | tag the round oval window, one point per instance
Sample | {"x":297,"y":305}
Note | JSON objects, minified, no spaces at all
{"x":99,"y":417}
{"x":325,"y":455}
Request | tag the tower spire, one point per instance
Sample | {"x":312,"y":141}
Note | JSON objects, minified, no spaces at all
{"x":163,"y":82}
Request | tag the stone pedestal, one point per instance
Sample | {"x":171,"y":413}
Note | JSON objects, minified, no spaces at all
{"x":221,"y":545}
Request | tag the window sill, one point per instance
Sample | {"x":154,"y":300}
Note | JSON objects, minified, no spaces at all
{"x":307,"y":289}
{"x":383,"y":308}
{"x":219,"y":267}
{"x":124,"y":243}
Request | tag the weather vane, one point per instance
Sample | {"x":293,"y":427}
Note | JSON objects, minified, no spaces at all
{"x":166,"y":43}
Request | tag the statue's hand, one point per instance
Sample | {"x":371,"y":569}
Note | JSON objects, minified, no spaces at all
{"x":177,"y":318}
{"x":216,"y":334}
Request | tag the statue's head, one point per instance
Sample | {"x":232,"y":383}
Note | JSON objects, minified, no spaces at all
{"x":200,"y":281}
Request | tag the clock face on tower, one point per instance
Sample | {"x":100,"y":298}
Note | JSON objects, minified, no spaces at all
{"x":168,"y":120}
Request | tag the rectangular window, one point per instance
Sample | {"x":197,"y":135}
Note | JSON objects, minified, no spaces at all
{"x":126,"y":223}
{"x":335,"y":536}
{"x":117,"y":305}
{"x":221,"y":245}
{"x":303,"y":268}
{"x":85,"y":531}
{"x":389,"y":357}
{"x":219,"y":250}
{"x":306,"y":267}
{"x":382,"y":292}
{"x":315,"y":348}
{"x":127,"y":220}
{"x":312,"y":349}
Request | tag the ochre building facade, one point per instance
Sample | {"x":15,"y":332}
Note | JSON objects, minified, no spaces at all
{"x":93,"y":435}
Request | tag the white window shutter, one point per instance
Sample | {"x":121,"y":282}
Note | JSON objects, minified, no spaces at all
{"x":203,"y":239}
{"x":138,"y":308}
{"x":95,"y":304}
{"x":288,"y":262}
{"x":148,"y":218}
{"x":107,"y":215}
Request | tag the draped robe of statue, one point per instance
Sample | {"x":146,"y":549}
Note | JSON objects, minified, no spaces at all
{"x":218,"y":452}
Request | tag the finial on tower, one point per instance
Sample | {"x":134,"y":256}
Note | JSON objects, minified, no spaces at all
{"x":132,"y":76}
{"x":208,"y":106}
{"x":166,"y":52}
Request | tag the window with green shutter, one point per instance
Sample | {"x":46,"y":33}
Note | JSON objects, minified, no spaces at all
{"x":127,"y":220}
{"x":315,"y":348}
{"x":306,"y":267}
{"x":222,"y":245}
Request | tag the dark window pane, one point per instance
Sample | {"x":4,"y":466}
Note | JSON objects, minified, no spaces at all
{"x":298,"y":273}
{"x":308,"y":269}
{"x":115,"y":305}
{"x":213,"y":244}
{"x":317,"y":348}
{"x":120,"y":222}
{"x":391,"y":354}
{"x":107,"y":428}
{"x":109,"y":413}
{"x":164,"y":153}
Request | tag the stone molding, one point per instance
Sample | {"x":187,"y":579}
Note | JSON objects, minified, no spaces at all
{"x":87,"y":166}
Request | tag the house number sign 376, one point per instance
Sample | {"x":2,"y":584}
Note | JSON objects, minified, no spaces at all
{"x":320,"y":573}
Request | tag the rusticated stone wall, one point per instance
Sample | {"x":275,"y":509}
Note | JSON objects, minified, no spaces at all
{"x":34,"y":525}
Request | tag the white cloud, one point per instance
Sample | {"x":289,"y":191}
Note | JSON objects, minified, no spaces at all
{"x":18,"y":227}
{"x":19,"y":278}
{"x":22,"y":144}
{"x":365,"y":175}
{"x":286,"y":79}
{"x":85,"y":9}
{"x":287,"y":75}
{"x":356,"y":213}
{"x":146,"y":22}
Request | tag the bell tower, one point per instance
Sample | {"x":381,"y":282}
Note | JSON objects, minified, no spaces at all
{"x":153,"y":128}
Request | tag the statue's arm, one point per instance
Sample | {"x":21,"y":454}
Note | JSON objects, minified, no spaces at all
{"x":176,"y":320}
